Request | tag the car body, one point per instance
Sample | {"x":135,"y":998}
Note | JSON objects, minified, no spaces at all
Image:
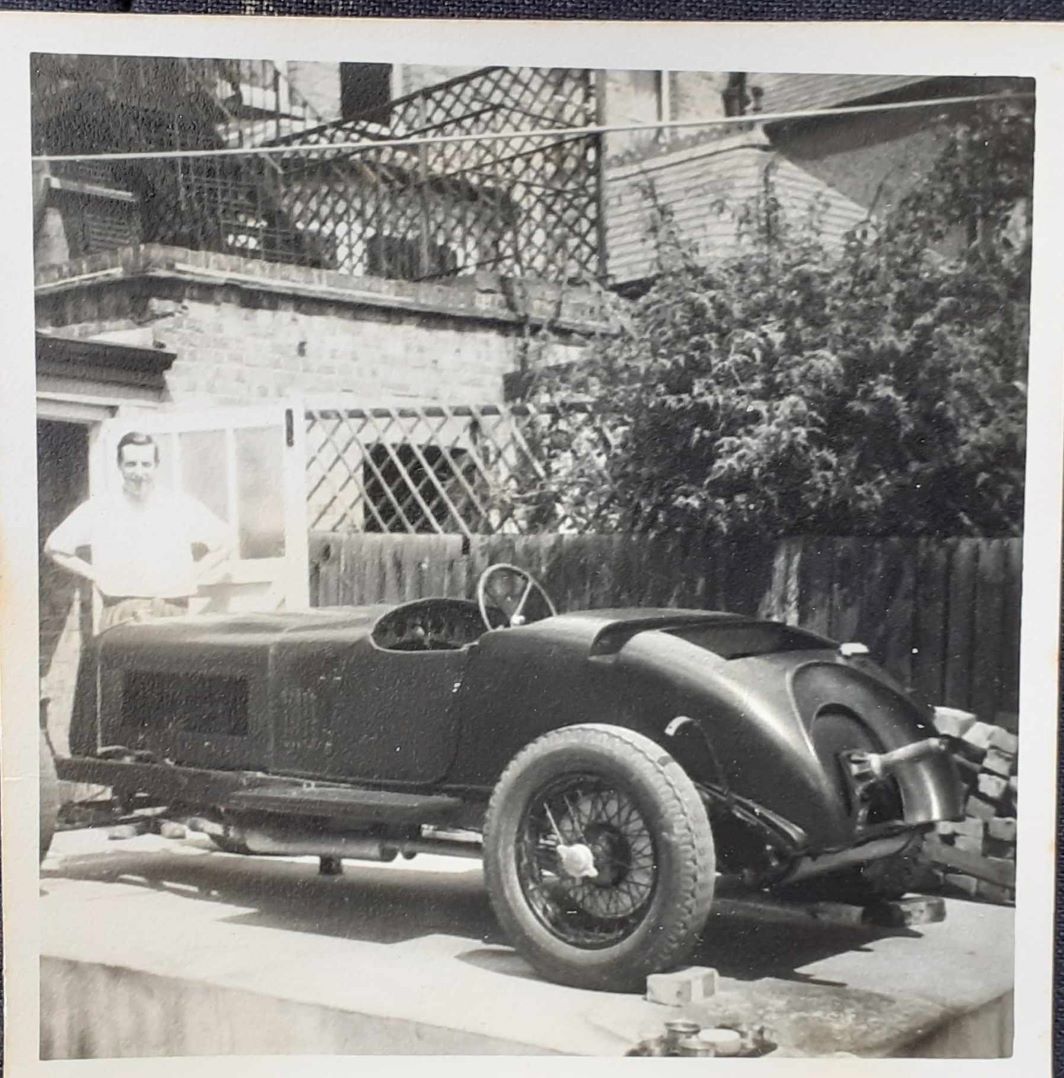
{"x":440,"y":725}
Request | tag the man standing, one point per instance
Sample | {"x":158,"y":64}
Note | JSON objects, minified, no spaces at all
{"x":140,"y":541}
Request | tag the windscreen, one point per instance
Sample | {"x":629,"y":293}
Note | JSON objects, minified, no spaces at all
{"x":742,"y":640}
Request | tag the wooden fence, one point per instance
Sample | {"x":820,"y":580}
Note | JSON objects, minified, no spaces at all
{"x":943,"y":615}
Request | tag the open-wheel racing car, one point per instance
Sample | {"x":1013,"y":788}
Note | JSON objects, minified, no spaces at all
{"x":606,"y":764}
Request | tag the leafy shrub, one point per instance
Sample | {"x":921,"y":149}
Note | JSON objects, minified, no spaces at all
{"x":872,"y":389}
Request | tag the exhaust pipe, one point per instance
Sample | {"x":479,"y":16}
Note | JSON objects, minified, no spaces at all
{"x":295,"y":843}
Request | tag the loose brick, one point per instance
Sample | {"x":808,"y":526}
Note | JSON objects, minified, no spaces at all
{"x":972,"y":826}
{"x":1003,"y":829}
{"x":992,"y":787}
{"x":902,"y":912}
{"x":967,"y":842}
{"x":993,"y":870}
{"x":999,"y":762}
{"x":978,"y":735}
{"x":682,"y":986}
{"x":976,"y":806}
{"x":996,"y":849}
{"x":952,"y":721}
{"x":1002,"y":739}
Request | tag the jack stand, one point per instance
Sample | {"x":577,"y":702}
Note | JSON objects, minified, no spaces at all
{"x":330,"y":866}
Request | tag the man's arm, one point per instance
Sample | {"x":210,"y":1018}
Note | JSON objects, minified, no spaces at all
{"x":62,"y":545}
{"x":212,"y":534}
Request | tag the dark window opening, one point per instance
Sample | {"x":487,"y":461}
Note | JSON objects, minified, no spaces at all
{"x":366,"y":92}
{"x":193,"y":703}
{"x":404,"y":495}
{"x":408,"y":258}
{"x":740,"y":98}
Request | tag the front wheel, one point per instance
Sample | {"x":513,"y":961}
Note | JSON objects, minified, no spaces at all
{"x":599,"y":858}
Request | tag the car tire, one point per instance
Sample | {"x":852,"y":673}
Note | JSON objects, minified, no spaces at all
{"x":631,"y":803}
{"x":49,"y":796}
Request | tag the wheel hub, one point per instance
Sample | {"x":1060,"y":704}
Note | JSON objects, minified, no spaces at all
{"x":595,"y":863}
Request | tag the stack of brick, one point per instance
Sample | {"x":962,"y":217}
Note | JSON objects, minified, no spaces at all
{"x":976,"y":856}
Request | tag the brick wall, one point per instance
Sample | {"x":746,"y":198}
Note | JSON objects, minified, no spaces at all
{"x":246,"y":331}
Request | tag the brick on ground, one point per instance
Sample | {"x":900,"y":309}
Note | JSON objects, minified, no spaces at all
{"x":978,"y":735}
{"x":977,"y":806}
{"x":968,"y":843}
{"x":997,"y":849}
{"x":952,"y":721}
{"x":682,"y":986}
{"x":1002,"y":739}
{"x":972,"y":826}
{"x":992,"y":787}
{"x":999,"y":762}
{"x":969,"y":863}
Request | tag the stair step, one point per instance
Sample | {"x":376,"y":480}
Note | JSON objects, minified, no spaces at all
{"x":349,"y":803}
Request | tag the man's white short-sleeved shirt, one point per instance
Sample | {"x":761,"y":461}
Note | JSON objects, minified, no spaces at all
{"x":141,"y":548}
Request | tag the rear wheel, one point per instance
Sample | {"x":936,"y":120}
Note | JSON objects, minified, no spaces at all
{"x":49,"y":796}
{"x":599,"y":858}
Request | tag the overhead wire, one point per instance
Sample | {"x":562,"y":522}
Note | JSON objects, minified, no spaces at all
{"x":550,"y":132}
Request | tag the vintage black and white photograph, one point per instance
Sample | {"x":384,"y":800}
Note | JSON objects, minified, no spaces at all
{"x":529,"y":556}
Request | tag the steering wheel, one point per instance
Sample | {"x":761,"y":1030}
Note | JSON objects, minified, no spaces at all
{"x":506,"y":589}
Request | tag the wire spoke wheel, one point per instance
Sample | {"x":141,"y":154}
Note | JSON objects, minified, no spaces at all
{"x":587,"y":910}
{"x":598,"y":857}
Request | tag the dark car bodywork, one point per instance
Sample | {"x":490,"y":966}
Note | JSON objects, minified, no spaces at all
{"x":399,"y":718}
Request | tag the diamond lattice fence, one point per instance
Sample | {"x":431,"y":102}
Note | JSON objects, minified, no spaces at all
{"x":458,"y":469}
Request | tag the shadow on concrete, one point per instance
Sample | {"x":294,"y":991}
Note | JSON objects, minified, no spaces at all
{"x":368,"y":902}
{"x":389,"y":904}
{"x":749,"y":949}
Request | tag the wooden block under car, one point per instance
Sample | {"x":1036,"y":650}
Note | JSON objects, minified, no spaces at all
{"x":959,"y":882}
{"x":682,"y":986}
{"x":903,"y":912}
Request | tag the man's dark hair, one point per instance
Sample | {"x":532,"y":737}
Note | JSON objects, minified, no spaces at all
{"x":136,"y":437}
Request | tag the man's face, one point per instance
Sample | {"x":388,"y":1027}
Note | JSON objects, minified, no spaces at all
{"x":138,"y":465}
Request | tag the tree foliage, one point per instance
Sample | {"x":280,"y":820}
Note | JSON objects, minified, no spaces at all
{"x":872,"y":388}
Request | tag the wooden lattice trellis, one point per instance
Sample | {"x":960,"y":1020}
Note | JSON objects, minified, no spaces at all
{"x":524,"y":206}
{"x":459,"y":469}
